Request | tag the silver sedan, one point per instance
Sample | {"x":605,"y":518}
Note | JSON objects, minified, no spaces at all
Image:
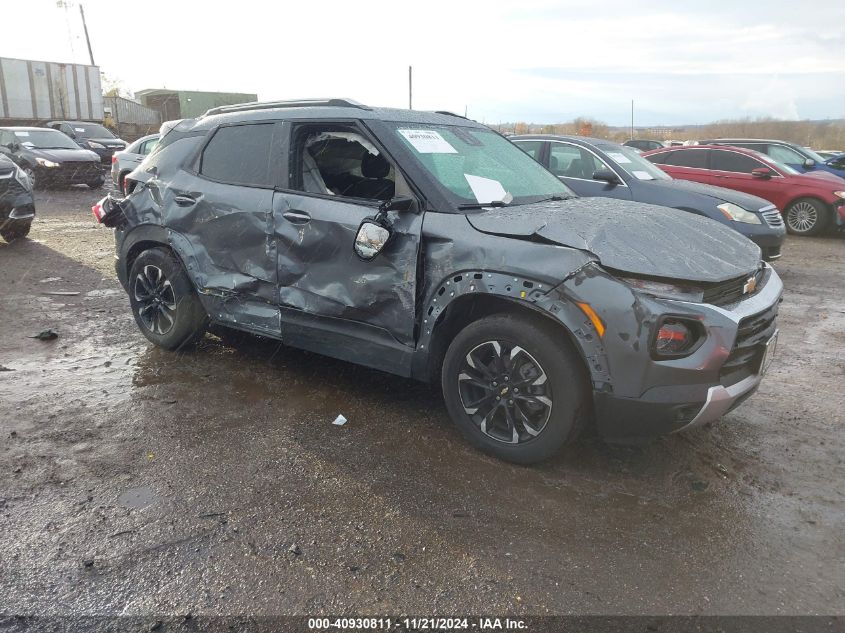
{"x":124,"y":162}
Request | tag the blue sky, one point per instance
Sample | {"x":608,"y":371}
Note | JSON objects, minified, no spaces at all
{"x":532,"y":60}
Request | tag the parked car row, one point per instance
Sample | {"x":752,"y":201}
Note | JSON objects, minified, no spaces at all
{"x":811,"y":201}
{"x":429,"y":246}
{"x":594,"y":167}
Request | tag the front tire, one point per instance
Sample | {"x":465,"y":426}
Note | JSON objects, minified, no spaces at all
{"x":807,"y":217}
{"x":164,"y":303}
{"x":13,"y":231}
{"x":97,"y":182}
{"x":515,"y":387}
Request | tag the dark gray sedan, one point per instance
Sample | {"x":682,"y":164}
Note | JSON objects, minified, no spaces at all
{"x":595,"y":167}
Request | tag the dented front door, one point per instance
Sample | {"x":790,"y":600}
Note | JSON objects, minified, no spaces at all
{"x":320,"y":275}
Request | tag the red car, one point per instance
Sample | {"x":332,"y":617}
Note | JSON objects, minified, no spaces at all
{"x":810,"y":202}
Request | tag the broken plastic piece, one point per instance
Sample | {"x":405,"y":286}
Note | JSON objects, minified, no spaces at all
{"x":339,"y":421}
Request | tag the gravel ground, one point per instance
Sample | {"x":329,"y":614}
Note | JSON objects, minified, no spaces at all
{"x":138,"y":481}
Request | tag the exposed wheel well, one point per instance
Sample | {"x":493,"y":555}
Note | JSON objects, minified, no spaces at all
{"x":138,"y":248}
{"x":467,"y":309}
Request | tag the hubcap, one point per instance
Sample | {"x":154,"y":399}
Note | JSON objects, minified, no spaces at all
{"x":505,"y":392}
{"x":802,"y":217}
{"x":156,"y":300}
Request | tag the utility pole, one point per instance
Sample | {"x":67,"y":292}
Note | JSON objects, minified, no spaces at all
{"x":87,"y":39}
{"x":632,"y":119}
{"x":410,"y":88}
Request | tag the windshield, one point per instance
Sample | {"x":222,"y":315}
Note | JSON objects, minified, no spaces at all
{"x":91,"y":130}
{"x":45,"y":139}
{"x":633,"y":163}
{"x":478,"y":166}
{"x":811,"y":154}
{"x":782,"y":167}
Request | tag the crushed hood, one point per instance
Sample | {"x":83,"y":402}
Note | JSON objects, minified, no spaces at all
{"x":632,"y":237}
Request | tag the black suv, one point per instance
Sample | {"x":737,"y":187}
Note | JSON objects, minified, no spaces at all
{"x":91,"y":136}
{"x":427,"y":245}
{"x":17,"y":207}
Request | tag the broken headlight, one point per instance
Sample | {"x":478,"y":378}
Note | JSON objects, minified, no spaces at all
{"x":665,"y":290}
{"x":676,"y":337}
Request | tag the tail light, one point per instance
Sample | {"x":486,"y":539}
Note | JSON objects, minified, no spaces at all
{"x":99,"y":210}
{"x":113,"y":159}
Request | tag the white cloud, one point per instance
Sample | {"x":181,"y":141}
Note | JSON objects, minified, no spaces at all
{"x":680,"y":60}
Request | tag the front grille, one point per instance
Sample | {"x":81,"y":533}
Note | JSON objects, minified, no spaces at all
{"x":731,"y":291}
{"x":73,"y":173}
{"x":747,"y":353}
{"x":772,"y":217}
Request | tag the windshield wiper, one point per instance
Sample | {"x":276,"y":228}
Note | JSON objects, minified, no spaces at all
{"x":482,"y":205}
{"x":553,"y":199}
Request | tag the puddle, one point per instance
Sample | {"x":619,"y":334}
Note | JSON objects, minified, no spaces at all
{"x":137,"y":498}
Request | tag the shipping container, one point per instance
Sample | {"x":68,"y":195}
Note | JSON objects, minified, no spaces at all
{"x":33,"y":91}
{"x":128,"y":111}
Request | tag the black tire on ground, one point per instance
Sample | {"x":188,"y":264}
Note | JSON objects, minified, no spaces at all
{"x":97,"y":182}
{"x":807,"y":216}
{"x":163,"y":300}
{"x":15,"y":230}
{"x":501,"y":371}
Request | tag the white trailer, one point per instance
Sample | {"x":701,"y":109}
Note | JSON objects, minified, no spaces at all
{"x":33,"y":91}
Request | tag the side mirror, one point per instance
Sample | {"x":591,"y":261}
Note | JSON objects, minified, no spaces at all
{"x":764,"y":173}
{"x":605,"y":175}
{"x":396,"y":203}
{"x":809,"y":163}
{"x":371,"y":239}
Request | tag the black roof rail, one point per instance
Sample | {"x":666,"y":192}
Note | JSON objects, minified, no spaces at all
{"x":301,"y":103}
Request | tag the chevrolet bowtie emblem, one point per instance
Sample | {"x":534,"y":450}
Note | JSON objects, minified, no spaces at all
{"x":750,"y":286}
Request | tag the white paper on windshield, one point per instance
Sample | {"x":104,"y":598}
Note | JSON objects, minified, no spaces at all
{"x":21,"y":133}
{"x":79,"y":129}
{"x":428,"y":142}
{"x":619,"y":158}
{"x":642,"y":175}
{"x":486,"y":189}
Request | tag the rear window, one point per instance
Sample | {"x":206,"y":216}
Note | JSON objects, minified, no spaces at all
{"x":239,"y":154}
{"x":696,"y":158}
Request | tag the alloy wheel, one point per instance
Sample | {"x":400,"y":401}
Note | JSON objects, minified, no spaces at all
{"x":505,"y":391}
{"x":30,"y":173}
{"x":802,"y":217}
{"x":156,"y":300}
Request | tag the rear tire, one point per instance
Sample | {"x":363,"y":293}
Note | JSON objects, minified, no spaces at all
{"x":15,"y":230}
{"x":515,"y":387}
{"x":163,"y":300}
{"x":807,"y":217}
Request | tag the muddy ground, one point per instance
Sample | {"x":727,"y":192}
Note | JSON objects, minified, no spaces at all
{"x":138,"y":481}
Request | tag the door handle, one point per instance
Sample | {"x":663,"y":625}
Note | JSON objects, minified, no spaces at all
{"x":296,"y":217}
{"x":184,"y":201}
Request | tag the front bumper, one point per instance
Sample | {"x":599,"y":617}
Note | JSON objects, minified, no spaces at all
{"x":665,"y":396}
{"x":70,"y":173}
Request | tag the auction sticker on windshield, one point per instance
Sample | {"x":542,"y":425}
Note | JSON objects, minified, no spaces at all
{"x":428,"y":142}
{"x":618,"y":157}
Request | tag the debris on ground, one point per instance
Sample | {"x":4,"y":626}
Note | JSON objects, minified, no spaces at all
{"x":62,"y":293}
{"x":339,"y":421}
{"x":295,"y":549}
{"x":45,"y":335}
{"x":2,"y":368}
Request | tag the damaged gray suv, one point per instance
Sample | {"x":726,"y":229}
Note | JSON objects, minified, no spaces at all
{"x":429,"y":246}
